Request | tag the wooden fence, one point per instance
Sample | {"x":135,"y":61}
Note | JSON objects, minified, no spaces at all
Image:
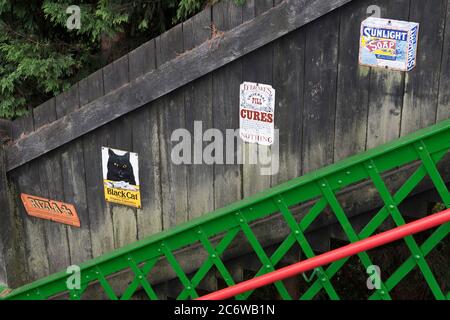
{"x":327,"y":108}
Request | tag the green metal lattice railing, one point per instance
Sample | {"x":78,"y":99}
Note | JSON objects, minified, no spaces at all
{"x":428,"y":146}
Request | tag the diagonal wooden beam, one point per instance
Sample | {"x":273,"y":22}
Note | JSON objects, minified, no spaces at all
{"x":211,"y":55}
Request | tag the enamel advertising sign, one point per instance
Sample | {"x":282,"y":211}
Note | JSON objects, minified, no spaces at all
{"x":121,"y":177}
{"x":388,"y":44}
{"x":256,"y":113}
{"x":50,"y":210}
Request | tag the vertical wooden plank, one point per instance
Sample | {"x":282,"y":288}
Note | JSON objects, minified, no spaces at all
{"x":197,"y":29}
{"x":146,"y":144}
{"x":144,"y":123}
{"x":421,"y":88}
{"x":198,"y":106}
{"x":100,"y":219}
{"x":169,"y":45}
{"x":386,"y":88}
{"x":116,"y":75}
{"x":22,"y":126}
{"x":12,"y":247}
{"x":444,"y":81}
{"x":52,"y":187}
{"x":67,"y":101}
{"x":320,"y":92}
{"x":352,"y":85}
{"x":74,"y":182}
{"x":226,"y":15}
{"x":257,"y":67}
{"x":226,"y":81}
{"x":248,"y":10}
{"x":288,"y":66}
{"x":6,"y":225}
{"x":26,"y":180}
{"x":142,"y":59}
{"x":171,"y":117}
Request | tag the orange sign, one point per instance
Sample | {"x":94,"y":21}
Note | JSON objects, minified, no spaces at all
{"x":51,"y":210}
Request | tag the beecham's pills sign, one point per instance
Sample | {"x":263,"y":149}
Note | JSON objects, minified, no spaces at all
{"x":256,"y":113}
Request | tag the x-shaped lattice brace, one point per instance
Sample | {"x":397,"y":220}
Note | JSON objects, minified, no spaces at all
{"x":390,"y":208}
{"x":213,"y":259}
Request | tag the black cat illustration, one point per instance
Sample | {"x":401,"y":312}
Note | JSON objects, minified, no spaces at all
{"x":120,"y":168}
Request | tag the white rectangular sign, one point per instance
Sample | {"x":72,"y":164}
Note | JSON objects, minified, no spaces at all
{"x":257,"y":113}
{"x":388,"y":44}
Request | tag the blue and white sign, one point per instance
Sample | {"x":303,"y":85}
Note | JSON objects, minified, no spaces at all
{"x":390,"y":44}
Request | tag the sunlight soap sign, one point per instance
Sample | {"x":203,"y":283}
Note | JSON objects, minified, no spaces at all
{"x":121,"y":177}
{"x":388,"y":44}
{"x":256,"y":113}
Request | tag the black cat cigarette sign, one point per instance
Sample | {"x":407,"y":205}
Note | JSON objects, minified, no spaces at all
{"x":121,"y":177}
{"x":50,"y":210}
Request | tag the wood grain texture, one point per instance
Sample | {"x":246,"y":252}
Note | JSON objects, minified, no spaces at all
{"x":226,"y":82}
{"x":256,"y":67}
{"x":51,"y":186}
{"x":197,"y":29}
{"x":142,"y":59}
{"x":386,"y":88}
{"x":199,"y":118}
{"x":320,"y":92}
{"x":5,"y":131}
{"x":288,"y":73}
{"x":246,"y":38}
{"x":352,"y":84}
{"x":74,"y":182}
{"x":144,"y":123}
{"x":421,"y":88}
{"x":12,"y":250}
{"x":13,"y":260}
{"x":443,"y":111}
{"x":66,"y":102}
{"x":171,"y":117}
{"x":22,"y":126}
{"x":101,"y":226}
{"x":26,"y":179}
{"x":4,"y":215}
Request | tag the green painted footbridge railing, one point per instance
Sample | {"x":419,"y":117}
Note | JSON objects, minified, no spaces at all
{"x":427,"y":146}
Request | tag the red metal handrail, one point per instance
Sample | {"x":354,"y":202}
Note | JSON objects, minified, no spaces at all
{"x":331,"y":256}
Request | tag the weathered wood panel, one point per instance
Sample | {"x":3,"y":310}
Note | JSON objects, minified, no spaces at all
{"x":51,"y":186}
{"x":12,"y":247}
{"x":256,"y":67}
{"x":100,"y":219}
{"x":200,"y":175}
{"x":288,"y":63}
{"x":26,"y":179}
{"x":320,"y":92}
{"x":226,"y":81}
{"x":421,"y":88}
{"x":352,"y":85}
{"x":443,"y":111}
{"x":171,"y":117}
{"x":74,"y":184}
{"x":386,"y":88}
{"x":145,"y":135}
